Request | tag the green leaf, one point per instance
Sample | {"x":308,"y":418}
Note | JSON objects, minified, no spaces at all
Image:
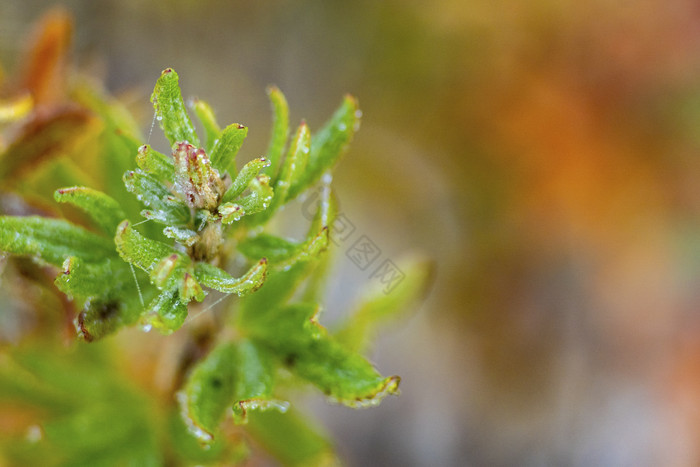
{"x":102,"y":317}
{"x":287,"y":274}
{"x":138,"y":250}
{"x":52,"y":240}
{"x":346,"y":377}
{"x":282,"y":253}
{"x":280,"y":130}
{"x":328,"y":145}
{"x":223,"y":154}
{"x":278,"y":289}
{"x":169,"y":271}
{"x":209,"y":392}
{"x":156,"y":163}
{"x":167,"y":312}
{"x":83,"y":280}
{"x":254,"y":381}
{"x":104,"y":210}
{"x":165,"y":208}
{"x":175,"y":272}
{"x":269,"y":246}
{"x":218,"y":279}
{"x":379,"y":304}
{"x":205,"y":114}
{"x":230,"y":212}
{"x":190,"y":289}
{"x":294,"y":167}
{"x":295,"y":335}
{"x":256,"y":201}
{"x":287,"y":328}
{"x":308,"y":251}
{"x":291,"y":439}
{"x":244,"y":177}
{"x":260,"y":196}
{"x":170,"y":110}
{"x":183,"y":236}
{"x":327,"y":208}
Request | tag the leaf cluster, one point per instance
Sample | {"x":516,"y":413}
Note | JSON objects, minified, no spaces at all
{"x":149,"y":248}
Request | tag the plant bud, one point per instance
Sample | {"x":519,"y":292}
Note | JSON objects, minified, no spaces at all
{"x":195,"y":179}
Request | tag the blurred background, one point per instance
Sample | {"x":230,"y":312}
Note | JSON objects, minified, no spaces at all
{"x":543,"y":153}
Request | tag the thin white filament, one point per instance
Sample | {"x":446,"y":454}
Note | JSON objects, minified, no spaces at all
{"x":138,"y":287}
{"x":205,"y":310}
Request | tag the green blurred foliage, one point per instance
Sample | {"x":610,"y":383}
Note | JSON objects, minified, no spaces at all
{"x":78,"y":404}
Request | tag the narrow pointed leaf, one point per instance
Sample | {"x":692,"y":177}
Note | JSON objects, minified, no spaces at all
{"x":167,"y":312}
{"x":170,"y":110}
{"x":280,"y":130}
{"x":294,"y":166}
{"x":326,"y":211}
{"x":205,"y":114}
{"x":209,"y":392}
{"x":279,"y":288}
{"x":52,"y":240}
{"x":165,"y":208}
{"x":190,"y":289}
{"x":244,"y":177}
{"x":344,"y":376}
{"x":254,"y":382}
{"x":395,"y":291}
{"x":81,"y":279}
{"x":269,"y":246}
{"x":104,"y":210}
{"x":220,"y":280}
{"x":260,"y":196}
{"x":295,"y":335}
{"x":287,"y":328}
{"x":328,"y":145}
{"x":102,"y":317}
{"x":309,"y":352}
{"x":183,"y":236}
{"x":223,"y":154}
{"x":170,"y":271}
{"x":308,"y":251}
{"x":138,"y":250}
{"x":230,"y":212}
{"x":286,"y":275}
{"x":282,"y":253}
{"x":156,"y":163}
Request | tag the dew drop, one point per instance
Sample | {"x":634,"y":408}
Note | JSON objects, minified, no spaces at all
{"x":159,"y":118}
{"x":282,"y":406}
{"x":147,"y":327}
{"x":358,"y":113}
{"x":342,"y":126}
